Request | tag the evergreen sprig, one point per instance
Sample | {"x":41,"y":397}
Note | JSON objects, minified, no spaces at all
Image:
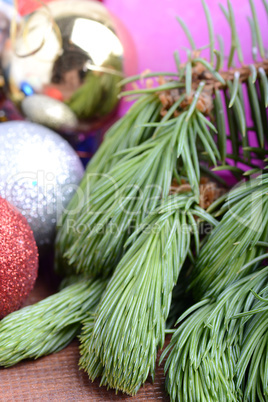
{"x":228,"y":88}
{"x":128,"y":132}
{"x":122,"y":199}
{"x":129,"y":326}
{"x":235,"y":241}
{"x":49,"y":325}
{"x":214,"y":343}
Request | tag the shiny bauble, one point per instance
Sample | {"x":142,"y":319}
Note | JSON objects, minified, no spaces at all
{"x":39,"y":174}
{"x":71,"y":51}
{"x":42,"y":109}
{"x":18,"y":259}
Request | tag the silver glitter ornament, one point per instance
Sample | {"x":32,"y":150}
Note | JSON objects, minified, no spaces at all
{"x":39,"y":173}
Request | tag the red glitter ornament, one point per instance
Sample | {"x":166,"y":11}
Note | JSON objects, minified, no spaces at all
{"x":18,"y":259}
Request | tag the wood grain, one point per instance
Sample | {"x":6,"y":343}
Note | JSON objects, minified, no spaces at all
{"x":58,"y":378}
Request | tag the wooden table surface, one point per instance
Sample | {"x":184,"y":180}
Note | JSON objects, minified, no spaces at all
{"x":58,"y":378}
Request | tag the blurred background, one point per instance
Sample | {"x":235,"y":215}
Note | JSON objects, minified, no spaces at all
{"x":156,"y":33}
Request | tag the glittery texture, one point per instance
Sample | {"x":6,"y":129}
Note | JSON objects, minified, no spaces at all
{"x":39,"y":173}
{"x":18,"y":259}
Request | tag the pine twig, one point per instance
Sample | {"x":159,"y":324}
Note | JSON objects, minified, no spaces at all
{"x":244,"y":224}
{"x":121,"y":345}
{"x":203,"y":355}
{"x":49,"y":325}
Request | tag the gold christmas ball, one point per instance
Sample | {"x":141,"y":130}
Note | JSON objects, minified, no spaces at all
{"x":63,"y":63}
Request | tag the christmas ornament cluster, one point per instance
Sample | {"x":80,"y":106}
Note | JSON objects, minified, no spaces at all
{"x":39,"y":174}
{"x":154,"y":241}
{"x":63,"y":66}
{"x":56,"y":79}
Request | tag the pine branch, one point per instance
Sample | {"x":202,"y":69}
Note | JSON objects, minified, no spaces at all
{"x":49,"y":325}
{"x":121,"y":345}
{"x":119,"y":202}
{"x":126,"y":133}
{"x":203,"y":361}
{"x":116,"y":202}
{"x":199,"y":76}
{"x":233,"y":242}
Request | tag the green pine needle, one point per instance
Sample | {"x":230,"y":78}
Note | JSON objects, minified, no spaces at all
{"x":256,"y":112}
{"x":264,"y":81}
{"x":235,"y":38}
{"x":210,"y":30}
{"x":254,"y":40}
{"x":187,"y":32}
{"x":257,"y":29}
{"x":234,"y":89}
